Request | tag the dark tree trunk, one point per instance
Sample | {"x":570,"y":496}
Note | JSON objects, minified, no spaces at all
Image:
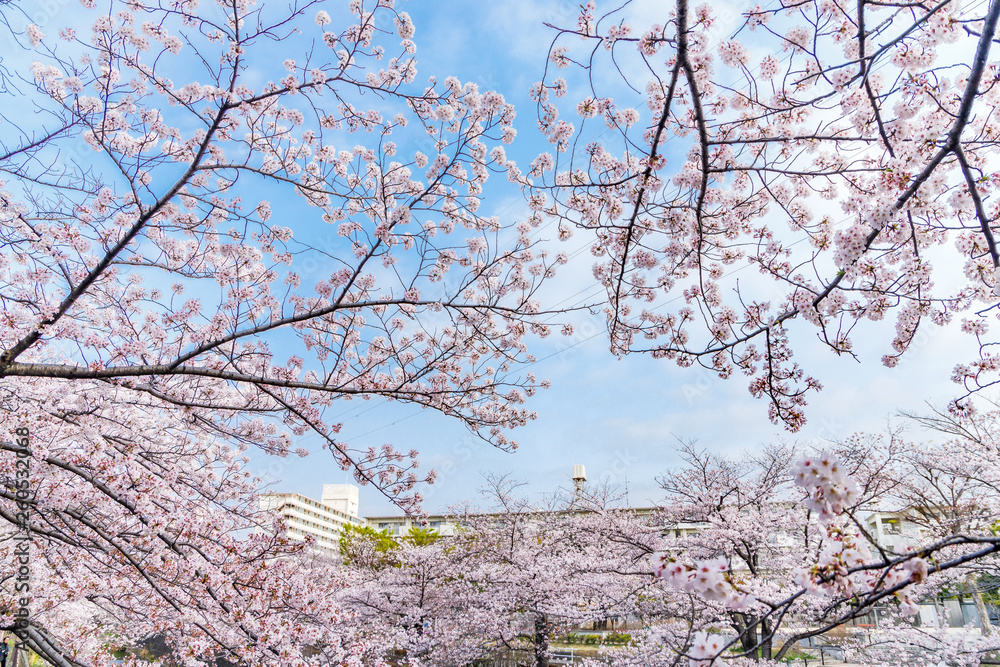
{"x":765,"y":639}
{"x":747,"y":632}
{"x":542,"y":631}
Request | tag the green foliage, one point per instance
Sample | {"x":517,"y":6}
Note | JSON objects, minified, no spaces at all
{"x":617,"y":639}
{"x":419,"y":537}
{"x":796,"y":655}
{"x":363,"y":546}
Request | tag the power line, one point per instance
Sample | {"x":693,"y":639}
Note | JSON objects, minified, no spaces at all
{"x":591,"y":288}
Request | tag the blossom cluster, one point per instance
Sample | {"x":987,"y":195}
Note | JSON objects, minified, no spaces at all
{"x":705,"y":650}
{"x":711,"y":579}
{"x":830,"y":489}
{"x":843,"y":550}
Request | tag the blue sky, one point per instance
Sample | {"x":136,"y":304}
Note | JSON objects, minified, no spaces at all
{"x":623,"y":418}
{"x":620,"y":418}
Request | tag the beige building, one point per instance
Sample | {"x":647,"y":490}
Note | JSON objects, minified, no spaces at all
{"x":895,"y":531}
{"x":398,"y":526}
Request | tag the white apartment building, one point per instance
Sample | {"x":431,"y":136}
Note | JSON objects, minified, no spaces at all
{"x":339,"y":506}
{"x":321,"y":519}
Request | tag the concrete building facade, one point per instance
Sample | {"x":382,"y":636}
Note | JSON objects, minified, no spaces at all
{"x":323,"y":520}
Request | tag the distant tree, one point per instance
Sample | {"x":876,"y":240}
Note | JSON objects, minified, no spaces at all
{"x":783,"y":551}
{"x":952,"y":488}
{"x":365,"y":547}
{"x":419,"y":536}
{"x":741,"y":513}
{"x":427,"y":606}
{"x":549,"y":566}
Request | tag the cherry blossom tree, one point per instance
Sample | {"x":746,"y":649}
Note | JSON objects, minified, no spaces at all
{"x":97,"y":260}
{"x":523,"y":572}
{"x":426,"y":607}
{"x":842,"y":152}
{"x":745,"y":519}
{"x":768,"y":569}
{"x":141,"y":527}
{"x":952,"y":488}
{"x":168,"y":175}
